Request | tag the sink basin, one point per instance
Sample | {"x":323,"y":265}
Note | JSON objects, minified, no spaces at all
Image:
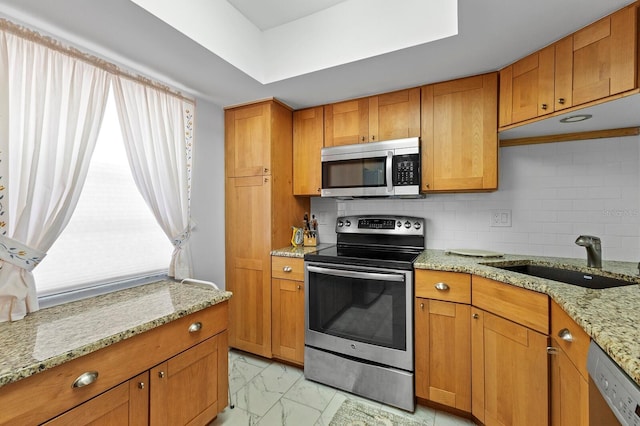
{"x":567,"y":276}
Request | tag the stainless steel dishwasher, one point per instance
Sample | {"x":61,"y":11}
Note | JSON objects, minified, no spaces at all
{"x":620,"y":392}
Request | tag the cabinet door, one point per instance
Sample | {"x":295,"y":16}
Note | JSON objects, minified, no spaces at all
{"x":308,"y":140}
{"x":247,"y":141}
{"x":604,"y":57}
{"x":459,"y":134}
{"x":569,"y":392}
{"x":248,"y":264}
{"x":394,"y":115}
{"x":288,"y":319}
{"x":510,"y":372}
{"x":443,"y":353}
{"x":126,"y":404}
{"x":184,"y":390}
{"x":527,"y":87}
{"x":346,"y":122}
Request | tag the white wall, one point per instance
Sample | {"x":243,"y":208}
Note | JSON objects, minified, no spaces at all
{"x":207,"y":194}
{"x":554,"y":191}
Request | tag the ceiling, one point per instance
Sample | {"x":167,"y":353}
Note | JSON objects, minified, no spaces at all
{"x":267,"y":14}
{"x":491,"y":34}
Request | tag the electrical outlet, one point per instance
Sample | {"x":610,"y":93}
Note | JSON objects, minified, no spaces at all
{"x":501,"y":218}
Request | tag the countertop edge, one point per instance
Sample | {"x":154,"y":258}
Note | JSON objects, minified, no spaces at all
{"x":214,"y":297}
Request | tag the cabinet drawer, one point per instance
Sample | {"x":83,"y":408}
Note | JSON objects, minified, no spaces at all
{"x":522,"y":306}
{"x":573,"y":340}
{"x":287,"y":268}
{"x":441,"y":285}
{"x":114,"y":364}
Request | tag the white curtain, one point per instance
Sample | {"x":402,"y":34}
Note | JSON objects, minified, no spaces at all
{"x":156,"y":128}
{"x":51,"y":107}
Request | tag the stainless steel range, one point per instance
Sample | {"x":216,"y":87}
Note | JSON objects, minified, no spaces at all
{"x":359,"y":308}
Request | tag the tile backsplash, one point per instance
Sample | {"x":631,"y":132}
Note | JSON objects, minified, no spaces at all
{"x":554,"y":192}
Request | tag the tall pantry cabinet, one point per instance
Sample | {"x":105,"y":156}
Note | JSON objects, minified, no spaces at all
{"x":260,"y":210}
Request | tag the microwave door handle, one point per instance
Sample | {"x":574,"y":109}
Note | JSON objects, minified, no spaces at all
{"x":356,"y":274}
{"x":389,"y":172}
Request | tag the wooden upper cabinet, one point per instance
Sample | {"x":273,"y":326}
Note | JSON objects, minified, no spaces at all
{"x":247,"y":146}
{"x":393,"y":115}
{"x":459,"y":134}
{"x":308,"y":140}
{"x":527,"y":87}
{"x":592,"y":64}
{"x":604,"y":56}
{"x":346,"y":123}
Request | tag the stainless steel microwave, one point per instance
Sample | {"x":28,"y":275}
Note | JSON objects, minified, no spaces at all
{"x":377,"y":169}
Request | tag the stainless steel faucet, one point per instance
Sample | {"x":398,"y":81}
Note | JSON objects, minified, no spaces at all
{"x":594,"y":250}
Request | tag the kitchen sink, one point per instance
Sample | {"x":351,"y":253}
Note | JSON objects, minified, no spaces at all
{"x":567,"y":276}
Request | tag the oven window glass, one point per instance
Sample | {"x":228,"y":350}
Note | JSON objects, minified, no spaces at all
{"x":360,"y":309}
{"x":368,"y":172}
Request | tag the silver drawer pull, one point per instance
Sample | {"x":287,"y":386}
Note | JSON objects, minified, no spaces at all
{"x":565,"y":335}
{"x":442,"y":286}
{"x":287,"y":269}
{"x":85,"y":379}
{"x":196,"y":326}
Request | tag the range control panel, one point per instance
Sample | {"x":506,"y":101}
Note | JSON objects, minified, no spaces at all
{"x":619,"y":390}
{"x":369,"y":224}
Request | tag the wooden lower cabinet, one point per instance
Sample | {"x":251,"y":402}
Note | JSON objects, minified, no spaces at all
{"x":569,"y":392}
{"x":442,"y":353}
{"x":174,"y":374}
{"x":126,"y":404}
{"x":509,"y":367}
{"x":287,"y":309}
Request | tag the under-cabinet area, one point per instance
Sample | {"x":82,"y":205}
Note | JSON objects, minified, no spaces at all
{"x":154,"y":354}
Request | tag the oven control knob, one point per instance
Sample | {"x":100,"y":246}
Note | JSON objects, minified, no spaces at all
{"x":340,"y":224}
{"x":399,"y":224}
{"x":407,"y":224}
{"x":417,"y":225}
{"x":347,"y":223}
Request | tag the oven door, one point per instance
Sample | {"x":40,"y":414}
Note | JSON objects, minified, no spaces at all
{"x":361,"y":312}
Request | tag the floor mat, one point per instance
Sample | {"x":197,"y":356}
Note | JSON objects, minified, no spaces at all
{"x":353,"y":413}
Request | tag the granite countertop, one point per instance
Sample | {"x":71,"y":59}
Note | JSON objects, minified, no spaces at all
{"x":609,"y":316}
{"x":299,"y":251}
{"x":52,"y":336}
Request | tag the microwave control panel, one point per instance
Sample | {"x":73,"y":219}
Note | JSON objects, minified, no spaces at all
{"x":406,"y":169}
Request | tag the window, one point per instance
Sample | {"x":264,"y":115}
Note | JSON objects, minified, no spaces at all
{"x":112,"y":235}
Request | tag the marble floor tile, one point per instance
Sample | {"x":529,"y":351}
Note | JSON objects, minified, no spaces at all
{"x":311,"y":394}
{"x":289,"y":413}
{"x":267,"y":393}
{"x":266,"y":388}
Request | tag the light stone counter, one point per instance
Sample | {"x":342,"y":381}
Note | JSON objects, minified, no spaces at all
{"x":52,"y":336}
{"x":610,"y":316}
{"x":299,"y":251}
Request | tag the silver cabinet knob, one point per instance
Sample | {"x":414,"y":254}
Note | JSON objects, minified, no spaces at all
{"x":422,"y":306}
{"x":543,"y":106}
{"x":442,"y":286}
{"x":196,"y":326}
{"x":299,"y":286}
{"x":287,"y":269}
{"x":551,"y":350}
{"x":85,"y":379}
{"x":565,"y":335}
{"x":141,"y":385}
{"x":161,"y":374}
{"x":561,"y":101}
{"x":475,"y":316}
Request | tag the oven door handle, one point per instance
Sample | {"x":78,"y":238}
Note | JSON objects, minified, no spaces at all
{"x":356,"y":274}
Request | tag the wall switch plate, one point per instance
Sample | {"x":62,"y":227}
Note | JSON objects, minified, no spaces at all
{"x":501,"y":218}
